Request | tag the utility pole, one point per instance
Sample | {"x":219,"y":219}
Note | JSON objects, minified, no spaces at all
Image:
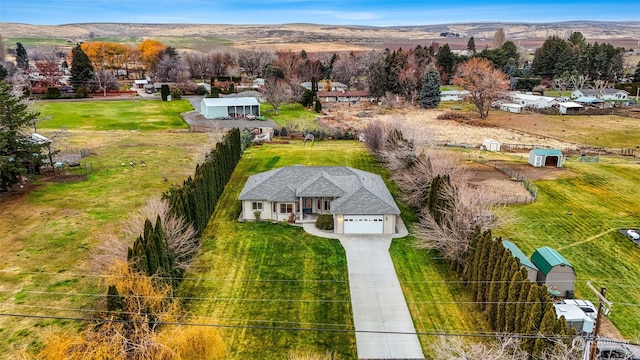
{"x":602,"y":300}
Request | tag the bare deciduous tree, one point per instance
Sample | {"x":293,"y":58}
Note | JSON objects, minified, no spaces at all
{"x":104,"y":80}
{"x":276,"y":92}
{"x":455,"y":349}
{"x":253,"y":61}
{"x":483,"y":82}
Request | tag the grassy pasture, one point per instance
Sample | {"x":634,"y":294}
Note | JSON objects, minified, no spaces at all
{"x":291,"y":116}
{"x":601,"y":199}
{"x":144,"y":115}
{"x":46,"y":233}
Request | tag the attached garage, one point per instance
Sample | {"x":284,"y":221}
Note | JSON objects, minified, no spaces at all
{"x":363,"y":224}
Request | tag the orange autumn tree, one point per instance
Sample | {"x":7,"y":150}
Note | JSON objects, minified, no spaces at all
{"x":483,"y":81}
{"x":150,"y":52}
{"x":107,"y":55}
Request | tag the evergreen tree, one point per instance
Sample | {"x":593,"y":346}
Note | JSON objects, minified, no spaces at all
{"x":22,"y":59}
{"x":377,"y":77}
{"x":430,"y":92}
{"x":543,"y":344}
{"x":636,"y":75}
{"x":471,"y":45}
{"x":115,"y":301}
{"x":507,"y":274}
{"x":17,"y":151}
{"x":164,"y":92}
{"x":318,"y":106}
{"x":3,"y":72}
{"x":81,"y":69}
{"x":446,"y":60}
{"x":494,"y":289}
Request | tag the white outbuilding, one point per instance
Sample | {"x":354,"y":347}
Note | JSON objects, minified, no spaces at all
{"x":491,"y":145}
{"x":545,"y":157}
{"x":213,"y":108}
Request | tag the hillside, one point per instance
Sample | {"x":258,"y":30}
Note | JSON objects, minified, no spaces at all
{"x":622,"y":33}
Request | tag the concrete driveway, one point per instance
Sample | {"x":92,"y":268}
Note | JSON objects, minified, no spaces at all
{"x":384,"y":328}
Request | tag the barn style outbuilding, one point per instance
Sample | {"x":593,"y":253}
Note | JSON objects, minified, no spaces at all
{"x":555,"y":271}
{"x":545,"y":157}
{"x":532,"y":269}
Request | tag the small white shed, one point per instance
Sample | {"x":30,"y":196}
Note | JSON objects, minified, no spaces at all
{"x":545,"y":157}
{"x":513,"y":108}
{"x":491,"y":145}
{"x":569,"y":107}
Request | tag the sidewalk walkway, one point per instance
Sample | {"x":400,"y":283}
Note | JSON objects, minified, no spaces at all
{"x":384,"y":328}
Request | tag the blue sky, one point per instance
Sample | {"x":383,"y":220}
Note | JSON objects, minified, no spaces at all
{"x":355,"y":12}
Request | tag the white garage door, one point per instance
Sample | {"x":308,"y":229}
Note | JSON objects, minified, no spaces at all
{"x":363,"y":224}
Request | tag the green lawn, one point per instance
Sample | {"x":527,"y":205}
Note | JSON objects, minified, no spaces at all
{"x":293,"y":116}
{"x":601,"y":199}
{"x":142,"y":115}
{"x":262,"y":273}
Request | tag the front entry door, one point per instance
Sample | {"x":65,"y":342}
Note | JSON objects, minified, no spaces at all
{"x":308,"y":206}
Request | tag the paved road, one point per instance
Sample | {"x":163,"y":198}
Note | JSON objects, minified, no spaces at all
{"x":384,"y":328}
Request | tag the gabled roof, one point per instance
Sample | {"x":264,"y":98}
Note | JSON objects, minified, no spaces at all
{"x":353,"y":191}
{"x":530,"y":97}
{"x":235,"y":101}
{"x":547,"y":152}
{"x":547,"y":258}
{"x":570,"y":104}
{"x":588,"y":100}
{"x":515,"y":251}
{"x":607,"y":91}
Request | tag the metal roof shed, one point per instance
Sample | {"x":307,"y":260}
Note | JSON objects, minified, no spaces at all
{"x":545,"y":157}
{"x":555,"y":270}
{"x":532,"y":269}
{"x":212,"y":108}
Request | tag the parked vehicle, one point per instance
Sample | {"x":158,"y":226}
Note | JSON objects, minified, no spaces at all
{"x":585,"y":305}
{"x":251,"y":117}
{"x":633,"y":235}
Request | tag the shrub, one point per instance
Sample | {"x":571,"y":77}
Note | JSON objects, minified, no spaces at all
{"x":452,"y":115}
{"x":201,"y":90}
{"x":325,"y":222}
{"x":283,"y":131}
{"x":53,"y":93}
{"x":82,"y":92}
{"x":257,"y":214}
{"x":176,"y":93}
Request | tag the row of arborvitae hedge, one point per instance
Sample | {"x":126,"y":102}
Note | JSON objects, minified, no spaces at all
{"x":512,"y":303}
{"x":196,"y":199}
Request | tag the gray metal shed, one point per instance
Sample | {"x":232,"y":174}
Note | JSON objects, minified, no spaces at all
{"x":555,"y":270}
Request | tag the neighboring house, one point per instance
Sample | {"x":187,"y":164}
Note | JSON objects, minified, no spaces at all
{"x":570,"y":107}
{"x":343,"y":96}
{"x":359,"y":201}
{"x":140,"y":84}
{"x":453,"y":95}
{"x":532,"y":270}
{"x":249,"y":93}
{"x":491,"y":144}
{"x":533,"y":101}
{"x":513,"y":108}
{"x":604,"y":94}
{"x":326,"y":85}
{"x":213,"y":108}
{"x":545,"y":157}
{"x":555,"y":271}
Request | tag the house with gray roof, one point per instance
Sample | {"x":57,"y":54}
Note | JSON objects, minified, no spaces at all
{"x":604,"y":94}
{"x":359,"y":201}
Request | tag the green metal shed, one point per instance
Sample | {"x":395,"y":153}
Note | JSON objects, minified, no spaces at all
{"x":532,"y":269}
{"x":545,"y":157}
{"x":555,"y":270}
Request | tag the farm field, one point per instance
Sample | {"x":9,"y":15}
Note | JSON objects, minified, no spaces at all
{"x":580,"y":217}
{"x":49,"y":228}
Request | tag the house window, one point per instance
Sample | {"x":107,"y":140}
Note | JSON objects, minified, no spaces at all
{"x":319,"y":204}
{"x":256,"y":205}
{"x":286,"y":208}
{"x":327,"y":205}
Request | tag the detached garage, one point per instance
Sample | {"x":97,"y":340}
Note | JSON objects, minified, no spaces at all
{"x":213,"y":108}
{"x":545,"y":157}
{"x":555,"y":271}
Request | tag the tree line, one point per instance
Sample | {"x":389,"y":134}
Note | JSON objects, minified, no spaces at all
{"x":455,"y":220}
